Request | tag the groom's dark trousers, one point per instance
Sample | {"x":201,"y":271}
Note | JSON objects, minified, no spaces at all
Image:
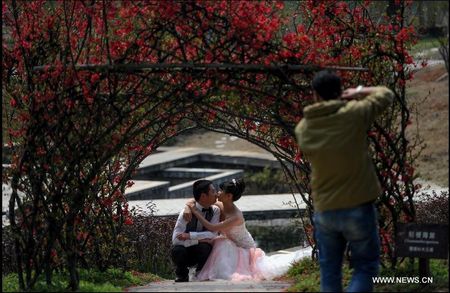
{"x":184,"y":257}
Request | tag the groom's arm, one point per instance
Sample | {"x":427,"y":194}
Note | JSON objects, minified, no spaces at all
{"x":180,"y":227}
{"x":207,"y":234}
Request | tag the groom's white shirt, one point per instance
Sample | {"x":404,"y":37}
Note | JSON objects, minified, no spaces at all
{"x":180,"y":227}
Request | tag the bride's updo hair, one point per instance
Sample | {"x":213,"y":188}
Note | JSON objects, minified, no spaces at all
{"x":236,"y":187}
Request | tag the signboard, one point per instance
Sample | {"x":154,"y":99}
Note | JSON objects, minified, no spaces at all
{"x":421,"y":240}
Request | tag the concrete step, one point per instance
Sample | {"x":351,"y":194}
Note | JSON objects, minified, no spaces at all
{"x":147,"y":190}
{"x":195,"y":173}
{"x":254,"y":207}
{"x":185,"y":189}
{"x":197,"y":158}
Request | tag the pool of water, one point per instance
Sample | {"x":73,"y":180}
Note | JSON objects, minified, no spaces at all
{"x":276,"y":235}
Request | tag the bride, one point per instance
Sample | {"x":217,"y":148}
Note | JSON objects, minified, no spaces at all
{"x":234,"y":255}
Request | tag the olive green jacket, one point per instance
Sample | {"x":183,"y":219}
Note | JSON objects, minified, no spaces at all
{"x":333,"y":137}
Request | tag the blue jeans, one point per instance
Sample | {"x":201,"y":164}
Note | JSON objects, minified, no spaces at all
{"x":358,"y":228}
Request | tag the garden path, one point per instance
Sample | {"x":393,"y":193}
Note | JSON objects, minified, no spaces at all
{"x":218,"y":285}
{"x":213,"y":286}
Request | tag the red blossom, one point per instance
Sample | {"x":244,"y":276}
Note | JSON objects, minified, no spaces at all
{"x":26,"y":44}
{"x":279,"y":4}
{"x":250,"y":125}
{"x":107,"y":202}
{"x":128,"y":221}
{"x":95,"y":77}
{"x":285,"y":141}
{"x":289,"y":38}
{"x":40,"y":151}
{"x":298,"y":157}
{"x":4,"y":8}
{"x":82,"y":235}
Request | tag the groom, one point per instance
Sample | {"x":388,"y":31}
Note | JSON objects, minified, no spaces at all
{"x":190,"y":240}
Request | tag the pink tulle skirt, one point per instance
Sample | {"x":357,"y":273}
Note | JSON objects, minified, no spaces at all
{"x":230,"y":262}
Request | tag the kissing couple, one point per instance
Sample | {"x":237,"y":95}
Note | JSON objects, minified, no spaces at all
{"x":210,"y":234}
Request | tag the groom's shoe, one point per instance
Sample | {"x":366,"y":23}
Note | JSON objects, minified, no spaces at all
{"x":182,"y":279}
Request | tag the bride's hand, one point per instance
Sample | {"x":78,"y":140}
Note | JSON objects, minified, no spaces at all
{"x":187,"y":214}
{"x":194,"y":211}
{"x":191,"y":206}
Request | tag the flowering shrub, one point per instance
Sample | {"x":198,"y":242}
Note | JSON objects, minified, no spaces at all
{"x":266,"y":181}
{"x":151,"y":241}
{"x":8,"y":260}
{"x":432,"y":208}
{"x":143,"y":246}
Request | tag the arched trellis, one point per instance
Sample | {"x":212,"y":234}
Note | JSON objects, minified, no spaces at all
{"x":77,"y":134}
{"x":280,"y":80}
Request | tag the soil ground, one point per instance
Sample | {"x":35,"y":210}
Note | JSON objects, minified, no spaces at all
{"x":429,"y":99}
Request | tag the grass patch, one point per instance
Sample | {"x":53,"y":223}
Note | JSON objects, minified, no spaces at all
{"x":421,"y":50}
{"x":112,"y":280}
{"x":424,"y":44}
{"x":305,"y":276}
{"x":439,"y":273}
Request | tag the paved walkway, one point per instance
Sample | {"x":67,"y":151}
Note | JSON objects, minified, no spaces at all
{"x":219,"y":285}
{"x":213,"y":286}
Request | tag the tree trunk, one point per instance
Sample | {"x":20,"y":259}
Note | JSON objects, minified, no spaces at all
{"x":48,"y":252}
{"x":443,"y":50}
{"x":72,"y":267}
{"x":71,"y":254}
{"x":421,"y":15}
{"x":392,"y":8}
{"x":15,"y":229}
{"x":19,"y":265}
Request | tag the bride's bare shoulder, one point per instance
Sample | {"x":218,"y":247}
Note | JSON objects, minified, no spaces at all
{"x":219,"y":204}
{"x":240,"y":215}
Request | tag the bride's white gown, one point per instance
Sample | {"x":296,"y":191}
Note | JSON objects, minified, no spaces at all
{"x":236,"y":257}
